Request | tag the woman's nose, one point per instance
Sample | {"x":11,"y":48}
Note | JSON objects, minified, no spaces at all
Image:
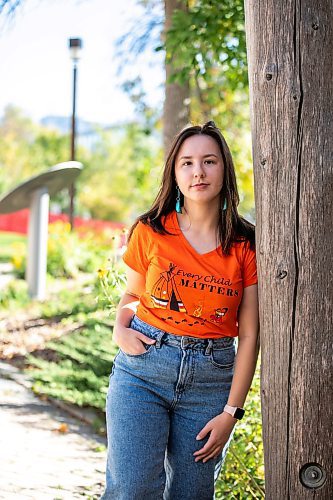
{"x":198,"y":170}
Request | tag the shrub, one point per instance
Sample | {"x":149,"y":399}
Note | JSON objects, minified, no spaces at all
{"x":71,"y":252}
{"x":242,"y":475}
{"x":14,"y":295}
{"x":19,"y":258}
{"x":84,"y":362}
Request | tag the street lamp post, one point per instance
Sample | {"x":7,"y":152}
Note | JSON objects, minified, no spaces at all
{"x":75,"y":46}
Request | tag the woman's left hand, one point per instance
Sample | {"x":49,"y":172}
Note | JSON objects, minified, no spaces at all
{"x":220,"y":428}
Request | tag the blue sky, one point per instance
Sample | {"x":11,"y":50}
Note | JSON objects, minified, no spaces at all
{"x":36,"y":70}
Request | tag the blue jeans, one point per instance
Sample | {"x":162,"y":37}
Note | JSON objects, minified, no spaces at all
{"x":157,"y":403}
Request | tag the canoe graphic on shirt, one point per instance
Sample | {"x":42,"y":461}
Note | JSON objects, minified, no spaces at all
{"x":165,"y":294}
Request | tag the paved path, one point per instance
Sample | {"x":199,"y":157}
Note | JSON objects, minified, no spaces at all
{"x":45,"y":453}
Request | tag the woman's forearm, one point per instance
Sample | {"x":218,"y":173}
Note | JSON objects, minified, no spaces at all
{"x":130,"y":341}
{"x":126,"y":309}
{"x":245,"y":365}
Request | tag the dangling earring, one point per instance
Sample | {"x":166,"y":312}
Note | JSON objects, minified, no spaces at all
{"x":225,"y":204}
{"x":178,"y":207}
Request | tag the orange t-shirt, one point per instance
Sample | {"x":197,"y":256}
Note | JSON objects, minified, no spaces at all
{"x":188,"y":293}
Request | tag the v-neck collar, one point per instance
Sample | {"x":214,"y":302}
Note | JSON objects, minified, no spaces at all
{"x":186,"y":243}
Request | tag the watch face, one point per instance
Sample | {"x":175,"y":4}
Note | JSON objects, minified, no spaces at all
{"x":239,"y":413}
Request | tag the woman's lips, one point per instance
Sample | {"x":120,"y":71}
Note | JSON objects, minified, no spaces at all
{"x":200,"y":186}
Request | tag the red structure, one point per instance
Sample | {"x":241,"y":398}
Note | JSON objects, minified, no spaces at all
{"x":17,"y":222}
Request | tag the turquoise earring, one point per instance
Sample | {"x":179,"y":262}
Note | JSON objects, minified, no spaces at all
{"x":225,"y":204}
{"x":178,"y":207}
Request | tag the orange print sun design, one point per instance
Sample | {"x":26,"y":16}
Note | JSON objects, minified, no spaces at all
{"x":165,"y":294}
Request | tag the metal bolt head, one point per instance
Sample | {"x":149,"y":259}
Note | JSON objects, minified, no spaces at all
{"x":312,"y":476}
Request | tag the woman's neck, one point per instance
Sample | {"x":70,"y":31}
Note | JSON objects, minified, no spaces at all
{"x":203,"y":218}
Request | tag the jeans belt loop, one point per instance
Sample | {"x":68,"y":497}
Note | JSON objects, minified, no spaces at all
{"x":159,"y":340}
{"x":209,"y":347}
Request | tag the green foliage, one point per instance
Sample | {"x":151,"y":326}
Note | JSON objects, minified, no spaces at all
{"x":27,"y":149}
{"x":78,"y":365}
{"x":111,"y":285}
{"x":80,"y":375}
{"x":208,"y":39}
{"x":14,"y":295}
{"x":76,"y":303}
{"x":122,"y":176}
{"x":205,"y":47}
{"x":242,"y":475}
{"x":18,"y":258}
{"x":68,"y":254}
{"x":82,"y":367}
{"x":13,"y":249}
{"x":7,"y":240}
{"x":120,"y":173}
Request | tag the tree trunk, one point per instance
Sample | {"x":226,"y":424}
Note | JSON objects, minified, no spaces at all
{"x":290,"y":47}
{"x":176,"y":108}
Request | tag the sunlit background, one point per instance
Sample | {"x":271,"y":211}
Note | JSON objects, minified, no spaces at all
{"x":36,"y":70}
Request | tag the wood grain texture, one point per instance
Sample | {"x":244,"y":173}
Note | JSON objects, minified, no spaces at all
{"x":290,"y":48}
{"x":176,"y":112}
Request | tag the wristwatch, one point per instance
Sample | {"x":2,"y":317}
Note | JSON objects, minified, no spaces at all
{"x":234,"y":411}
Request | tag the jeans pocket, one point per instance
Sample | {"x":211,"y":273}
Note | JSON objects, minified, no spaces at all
{"x":223,"y":358}
{"x":148,"y":347}
{"x":139,"y":326}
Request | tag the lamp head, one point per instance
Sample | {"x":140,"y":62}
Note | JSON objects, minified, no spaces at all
{"x":75,"y":46}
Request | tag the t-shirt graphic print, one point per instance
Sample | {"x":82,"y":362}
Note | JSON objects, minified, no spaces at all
{"x":165,"y":294}
{"x":188,"y":293}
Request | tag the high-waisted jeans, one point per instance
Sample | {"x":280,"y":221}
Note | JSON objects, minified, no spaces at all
{"x":156,"y":405}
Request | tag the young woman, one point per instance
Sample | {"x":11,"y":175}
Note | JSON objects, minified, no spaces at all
{"x":177,"y":386}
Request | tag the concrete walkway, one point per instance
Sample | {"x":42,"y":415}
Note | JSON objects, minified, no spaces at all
{"x":44,"y":452}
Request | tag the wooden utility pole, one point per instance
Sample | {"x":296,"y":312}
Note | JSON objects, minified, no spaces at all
{"x":290,"y":50}
{"x":176,"y":106}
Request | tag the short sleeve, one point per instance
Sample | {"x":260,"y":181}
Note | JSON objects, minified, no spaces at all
{"x":136,"y":255}
{"x":249,"y":267}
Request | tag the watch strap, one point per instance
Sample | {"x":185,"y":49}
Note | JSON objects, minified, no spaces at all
{"x":234,"y":411}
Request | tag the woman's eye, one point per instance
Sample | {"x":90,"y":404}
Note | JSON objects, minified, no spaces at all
{"x":189,"y":163}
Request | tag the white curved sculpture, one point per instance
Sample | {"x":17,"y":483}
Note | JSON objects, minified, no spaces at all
{"x":35,"y":195}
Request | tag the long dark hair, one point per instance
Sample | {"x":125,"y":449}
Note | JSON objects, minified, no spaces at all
{"x":231,"y":227}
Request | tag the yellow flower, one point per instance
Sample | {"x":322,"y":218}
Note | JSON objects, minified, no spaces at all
{"x":67,"y":227}
{"x":102,"y":273}
{"x":17,"y":261}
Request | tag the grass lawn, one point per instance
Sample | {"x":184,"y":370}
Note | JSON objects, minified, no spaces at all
{"x":7,"y":239}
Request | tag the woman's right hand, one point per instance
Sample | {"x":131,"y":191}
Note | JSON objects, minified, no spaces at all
{"x":130,"y":341}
